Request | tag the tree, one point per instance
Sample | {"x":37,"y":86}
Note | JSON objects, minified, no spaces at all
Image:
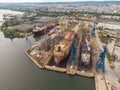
{"x":108,"y":36}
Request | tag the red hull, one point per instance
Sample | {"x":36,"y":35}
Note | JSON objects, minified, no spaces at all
{"x":44,"y":31}
{"x":67,"y":42}
{"x":58,"y":60}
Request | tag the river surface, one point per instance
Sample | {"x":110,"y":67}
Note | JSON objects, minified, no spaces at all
{"x":18,"y":72}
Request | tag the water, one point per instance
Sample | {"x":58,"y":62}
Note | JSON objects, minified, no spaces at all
{"x":18,"y":72}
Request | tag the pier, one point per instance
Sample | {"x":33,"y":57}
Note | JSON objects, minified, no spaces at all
{"x":100,"y":82}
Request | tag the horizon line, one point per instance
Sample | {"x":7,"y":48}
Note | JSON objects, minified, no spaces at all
{"x":63,"y":1}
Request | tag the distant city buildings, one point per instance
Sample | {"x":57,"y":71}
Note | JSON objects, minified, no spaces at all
{"x":92,"y":7}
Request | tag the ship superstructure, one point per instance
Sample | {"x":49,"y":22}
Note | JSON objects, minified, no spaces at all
{"x":45,"y":25}
{"x":85,"y":51}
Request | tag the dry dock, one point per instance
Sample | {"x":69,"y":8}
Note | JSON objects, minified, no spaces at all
{"x":86,"y":74}
{"x":34,"y":60}
{"x":54,"y":68}
{"x":50,"y":65}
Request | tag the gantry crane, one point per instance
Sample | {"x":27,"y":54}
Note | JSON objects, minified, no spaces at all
{"x":72,"y":57}
{"x":94,"y":29}
{"x":100,"y":63}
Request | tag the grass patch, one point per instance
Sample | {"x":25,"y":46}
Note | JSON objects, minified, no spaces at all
{"x":110,"y":57}
{"x":105,"y":38}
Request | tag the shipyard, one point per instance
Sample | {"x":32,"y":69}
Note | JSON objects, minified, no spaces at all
{"x":60,"y":45}
{"x":72,"y":50}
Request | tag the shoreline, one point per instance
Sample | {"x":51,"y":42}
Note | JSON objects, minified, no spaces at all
{"x":59,"y":69}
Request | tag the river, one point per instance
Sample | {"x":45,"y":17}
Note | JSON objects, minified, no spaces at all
{"x":18,"y":72}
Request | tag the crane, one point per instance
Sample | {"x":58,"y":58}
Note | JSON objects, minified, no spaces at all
{"x":101,"y":60}
{"x":73,"y":53}
{"x":94,"y":29}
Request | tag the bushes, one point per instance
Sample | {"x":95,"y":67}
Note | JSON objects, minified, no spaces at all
{"x":119,"y":80}
{"x":11,"y":23}
{"x":105,"y":38}
{"x":108,"y":55}
{"x":108,"y":36}
{"x":11,"y":33}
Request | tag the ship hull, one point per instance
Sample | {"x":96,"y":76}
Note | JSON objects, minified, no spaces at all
{"x":60,"y":59}
{"x":42,"y":32}
{"x":85,"y":63}
{"x":62,"y":50}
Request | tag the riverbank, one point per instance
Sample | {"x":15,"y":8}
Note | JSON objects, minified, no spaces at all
{"x":18,"y":72}
{"x":4,"y":25}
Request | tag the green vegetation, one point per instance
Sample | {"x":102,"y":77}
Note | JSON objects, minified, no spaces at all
{"x":41,"y":63}
{"x":29,"y":51}
{"x":108,"y":36}
{"x":11,"y":33}
{"x":110,"y":57}
{"x":105,"y":38}
{"x":52,"y":14}
{"x":32,"y":18}
{"x":119,"y":79}
{"x":100,"y":28}
{"x":11,"y":23}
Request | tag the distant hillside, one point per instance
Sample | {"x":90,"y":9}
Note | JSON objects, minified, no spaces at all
{"x":77,"y":2}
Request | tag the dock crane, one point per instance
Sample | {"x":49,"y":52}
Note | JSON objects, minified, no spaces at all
{"x":101,"y":60}
{"x":93,"y":30}
{"x":72,"y":57}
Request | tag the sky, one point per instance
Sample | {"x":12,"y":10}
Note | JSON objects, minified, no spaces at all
{"x":49,"y":0}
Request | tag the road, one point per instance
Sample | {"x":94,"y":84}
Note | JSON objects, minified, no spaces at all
{"x":109,"y":73}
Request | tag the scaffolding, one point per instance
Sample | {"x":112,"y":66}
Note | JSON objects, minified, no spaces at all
{"x":44,"y":44}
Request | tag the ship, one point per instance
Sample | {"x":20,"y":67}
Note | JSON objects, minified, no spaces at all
{"x":51,"y":31}
{"x":40,"y":30}
{"x":62,"y":49}
{"x":85,"y":51}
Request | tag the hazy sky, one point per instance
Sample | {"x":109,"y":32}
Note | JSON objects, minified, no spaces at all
{"x":49,"y":0}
